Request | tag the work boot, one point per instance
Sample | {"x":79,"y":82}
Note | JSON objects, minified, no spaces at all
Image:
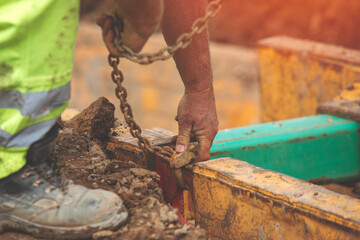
{"x":38,"y":200}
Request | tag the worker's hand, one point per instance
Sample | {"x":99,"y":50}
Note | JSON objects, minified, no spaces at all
{"x":131,"y":38}
{"x":197,"y":116}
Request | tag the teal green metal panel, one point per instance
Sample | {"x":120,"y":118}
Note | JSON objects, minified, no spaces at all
{"x":316,"y":148}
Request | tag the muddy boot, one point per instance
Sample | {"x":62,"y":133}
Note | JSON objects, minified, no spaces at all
{"x":38,"y":200}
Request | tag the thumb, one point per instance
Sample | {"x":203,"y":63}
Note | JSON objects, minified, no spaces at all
{"x":183,"y":139}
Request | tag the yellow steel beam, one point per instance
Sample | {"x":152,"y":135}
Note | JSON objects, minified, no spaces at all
{"x":236,"y":200}
{"x":296,"y":75}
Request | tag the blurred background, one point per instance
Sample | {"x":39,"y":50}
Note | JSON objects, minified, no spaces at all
{"x":154,"y":90}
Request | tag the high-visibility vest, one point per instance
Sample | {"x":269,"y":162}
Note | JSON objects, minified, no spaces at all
{"x":36,"y":59}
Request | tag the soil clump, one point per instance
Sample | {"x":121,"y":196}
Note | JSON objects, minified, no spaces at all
{"x":84,"y":162}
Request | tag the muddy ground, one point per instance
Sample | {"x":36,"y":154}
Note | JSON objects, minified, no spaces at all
{"x":84,"y":161}
{"x":79,"y":151}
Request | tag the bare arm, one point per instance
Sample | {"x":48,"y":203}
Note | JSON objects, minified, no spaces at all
{"x":196,"y":111}
{"x":178,"y":18}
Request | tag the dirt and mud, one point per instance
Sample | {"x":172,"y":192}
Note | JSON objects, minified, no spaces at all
{"x":83,"y":161}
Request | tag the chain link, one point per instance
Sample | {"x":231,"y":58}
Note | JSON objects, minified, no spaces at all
{"x":135,"y":130}
{"x":165,"y":53}
{"x":146,"y":58}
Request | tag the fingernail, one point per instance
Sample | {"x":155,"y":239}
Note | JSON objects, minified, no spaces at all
{"x":180,"y":148}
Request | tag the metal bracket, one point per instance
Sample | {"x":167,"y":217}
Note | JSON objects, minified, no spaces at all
{"x":181,"y":160}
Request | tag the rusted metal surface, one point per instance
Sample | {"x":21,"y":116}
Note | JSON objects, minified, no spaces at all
{"x":181,"y":160}
{"x":297,"y":75}
{"x":309,"y":148}
{"x":157,"y":136}
{"x":321,"y":180}
{"x":125,"y":147}
{"x":188,"y":208}
{"x":349,"y":109}
{"x":121,"y":145}
{"x":346,"y":104}
{"x":236,"y":200}
{"x":347,"y":188}
{"x":184,"y":158}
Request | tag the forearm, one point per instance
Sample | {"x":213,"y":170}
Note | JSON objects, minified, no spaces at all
{"x":143,"y":16}
{"x":192,"y":62}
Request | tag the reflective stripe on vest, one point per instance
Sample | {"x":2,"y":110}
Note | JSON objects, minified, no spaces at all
{"x":23,"y":132}
{"x":4,"y":136}
{"x":36,"y":58}
{"x":34,"y":103}
{"x":26,"y":136}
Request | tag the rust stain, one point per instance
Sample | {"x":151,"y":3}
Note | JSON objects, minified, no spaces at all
{"x":321,"y":180}
{"x":264,"y":145}
{"x":222,"y":153}
{"x":301,"y":139}
{"x":258,"y":201}
{"x":244,"y":148}
{"x":229,"y":215}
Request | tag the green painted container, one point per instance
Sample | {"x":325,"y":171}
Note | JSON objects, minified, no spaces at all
{"x":319,"y":149}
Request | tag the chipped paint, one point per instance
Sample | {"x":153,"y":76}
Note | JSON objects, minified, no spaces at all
{"x":276,"y":207}
{"x":295,"y":76}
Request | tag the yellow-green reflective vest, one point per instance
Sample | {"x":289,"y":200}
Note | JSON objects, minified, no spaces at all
{"x":36,"y":59}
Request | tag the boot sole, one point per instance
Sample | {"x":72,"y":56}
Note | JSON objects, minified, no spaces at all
{"x":10,"y":222}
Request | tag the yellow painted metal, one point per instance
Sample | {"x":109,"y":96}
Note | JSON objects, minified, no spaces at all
{"x":296,"y":75}
{"x":188,"y":206}
{"x":350,"y":93}
{"x":236,"y":200}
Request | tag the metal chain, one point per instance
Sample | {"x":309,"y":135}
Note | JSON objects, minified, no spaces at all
{"x":117,"y":76}
{"x":165,"y":53}
{"x":135,"y":130}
